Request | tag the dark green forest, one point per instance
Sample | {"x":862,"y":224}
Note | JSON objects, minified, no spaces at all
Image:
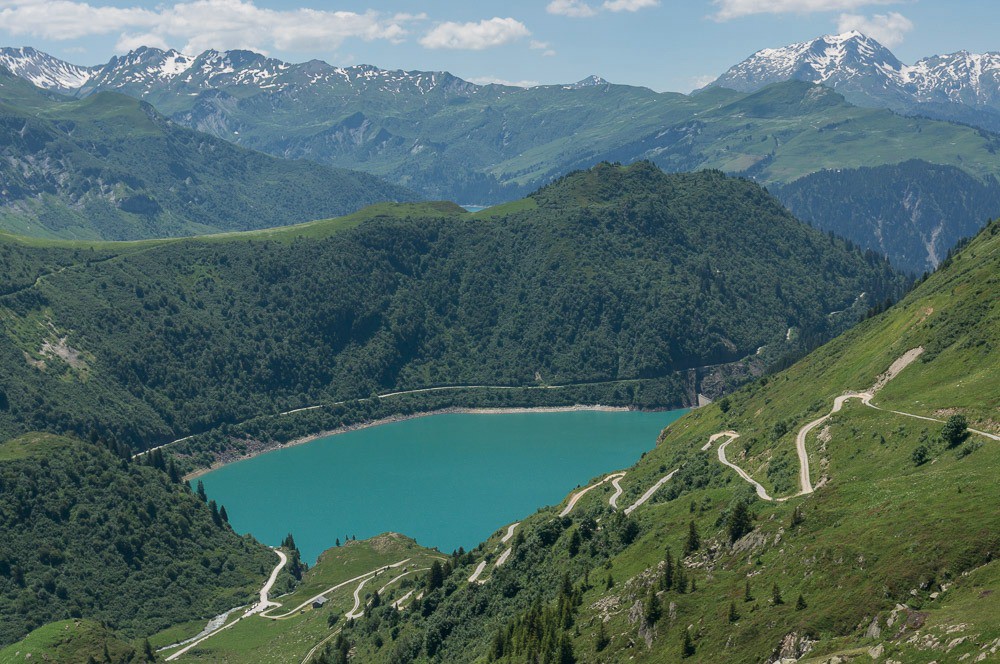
{"x":609,"y":274}
{"x":88,"y":534}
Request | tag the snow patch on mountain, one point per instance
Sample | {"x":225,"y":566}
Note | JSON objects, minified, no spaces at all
{"x":854,"y":63}
{"x":43,"y":70}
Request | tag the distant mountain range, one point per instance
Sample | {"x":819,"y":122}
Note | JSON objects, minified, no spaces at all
{"x":111,"y":167}
{"x":959,"y":86}
{"x":447,"y":138}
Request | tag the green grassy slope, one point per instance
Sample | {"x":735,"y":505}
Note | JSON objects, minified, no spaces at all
{"x":86,"y":534}
{"x":110,"y":167}
{"x":72,"y":641}
{"x":887,"y":554}
{"x":291,"y":637}
{"x":610,"y":274}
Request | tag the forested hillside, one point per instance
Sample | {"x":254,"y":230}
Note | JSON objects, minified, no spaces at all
{"x":933,"y":208}
{"x":888,"y":550}
{"x":613,"y":273}
{"x":111,"y":167}
{"x":88,"y":534}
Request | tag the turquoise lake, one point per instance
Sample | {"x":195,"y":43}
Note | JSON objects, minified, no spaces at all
{"x":446,"y":480}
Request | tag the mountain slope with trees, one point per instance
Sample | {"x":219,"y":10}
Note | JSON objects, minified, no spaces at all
{"x":891,"y":556}
{"x":89,"y":534}
{"x":110,"y":167}
{"x":609,"y":274}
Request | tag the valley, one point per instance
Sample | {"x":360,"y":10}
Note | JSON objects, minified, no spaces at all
{"x":310,"y":363}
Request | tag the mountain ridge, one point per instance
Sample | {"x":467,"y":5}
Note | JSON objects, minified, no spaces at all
{"x":959,"y":86}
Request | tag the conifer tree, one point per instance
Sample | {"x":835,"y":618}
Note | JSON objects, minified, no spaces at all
{"x":747,"y":597}
{"x":740,"y":521}
{"x":693,"y":540}
{"x":800,"y":603}
{"x":687,"y":645}
{"x":651,"y":609}
{"x":776,"y":595}
{"x":601,"y":638}
{"x":667,"y":580}
{"x":733,"y":615}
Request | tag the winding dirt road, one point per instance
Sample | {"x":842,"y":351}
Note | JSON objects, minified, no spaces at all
{"x":649,"y":493}
{"x":582,"y":492}
{"x":613,"y":500}
{"x":261,"y":606}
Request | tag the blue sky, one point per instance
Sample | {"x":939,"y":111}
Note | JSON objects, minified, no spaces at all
{"x":662,"y":44}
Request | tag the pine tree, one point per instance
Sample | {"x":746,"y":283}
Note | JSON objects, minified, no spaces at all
{"x":566,"y":655}
{"x":667,"y":581}
{"x":680,"y":577}
{"x":214,"y":509}
{"x":776,"y":595}
{"x":733,"y":615}
{"x":747,"y":597}
{"x":496,"y":646}
{"x":693,"y":540}
{"x":435,"y":576}
{"x":601,"y":639}
{"x":173,"y":472}
{"x":800,"y":603}
{"x":201,"y":491}
{"x":574,"y":543}
{"x":223,"y":514}
{"x":687,"y":646}
{"x":651,"y":608}
{"x":797,"y":517}
{"x":740,"y":521}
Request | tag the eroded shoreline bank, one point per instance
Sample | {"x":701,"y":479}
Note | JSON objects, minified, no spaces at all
{"x":266,"y":448}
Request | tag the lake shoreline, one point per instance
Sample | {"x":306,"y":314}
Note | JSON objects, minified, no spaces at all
{"x":456,"y":410}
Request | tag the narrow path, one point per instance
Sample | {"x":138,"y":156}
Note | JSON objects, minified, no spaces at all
{"x":805,"y":480}
{"x":263,"y":604}
{"x":761,"y":491}
{"x":480,"y":568}
{"x":649,"y":493}
{"x":354,"y":613}
{"x":323,"y":594}
{"x":398,"y":604}
{"x":613,"y":500}
{"x":309,"y":655}
{"x":868,"y":403}
{"x":510,"y":532}
{"x":503,"y":557}
{"x":582,"y":492}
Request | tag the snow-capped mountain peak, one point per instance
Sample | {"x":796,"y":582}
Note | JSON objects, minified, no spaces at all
{"x":44,"y":70}
{"x":827,"y":59}
{"x":864,"y":71}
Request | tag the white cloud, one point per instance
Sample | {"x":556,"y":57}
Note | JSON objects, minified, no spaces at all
{"x":888,"y":29}
{"x":730,"y":9}
{"x":698,"y":82}
{"x":492,"y":80}
{"x":545,"y":47}
{"x":581,"y":9}
{"x":574,"y":8}
{"x":629,"y":5}
{"x":475,"y":36}
{"x":200,"y":24}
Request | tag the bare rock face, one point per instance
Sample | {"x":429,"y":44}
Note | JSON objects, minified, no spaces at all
{"x":793,"y":647}
{"x":874,"y":631}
